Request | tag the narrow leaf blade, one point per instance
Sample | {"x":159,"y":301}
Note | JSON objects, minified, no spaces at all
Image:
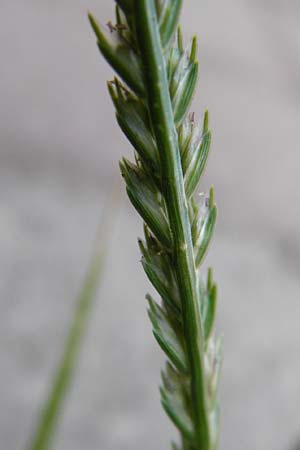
{"x":46,"y":426}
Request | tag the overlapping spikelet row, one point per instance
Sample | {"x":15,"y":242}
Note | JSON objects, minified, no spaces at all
{"x":145,"y":181}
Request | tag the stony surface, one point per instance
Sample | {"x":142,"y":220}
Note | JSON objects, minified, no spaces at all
{"x":59,"y":151}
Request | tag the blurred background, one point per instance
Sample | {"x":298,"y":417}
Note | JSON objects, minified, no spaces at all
{"x":59,"y":152}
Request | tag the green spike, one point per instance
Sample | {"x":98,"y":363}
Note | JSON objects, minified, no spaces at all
{"x":171,"y":154}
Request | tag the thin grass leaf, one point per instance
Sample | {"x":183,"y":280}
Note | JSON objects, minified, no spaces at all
{"x":52,"y":408}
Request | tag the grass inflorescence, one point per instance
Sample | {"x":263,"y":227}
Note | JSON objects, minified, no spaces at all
{"x":154,"y":84}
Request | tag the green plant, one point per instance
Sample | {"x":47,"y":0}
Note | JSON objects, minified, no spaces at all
{"x":151,"y":98}
{"x":53,"y":405}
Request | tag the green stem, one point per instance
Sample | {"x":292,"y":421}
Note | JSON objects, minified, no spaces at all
{"x":161,"y":113}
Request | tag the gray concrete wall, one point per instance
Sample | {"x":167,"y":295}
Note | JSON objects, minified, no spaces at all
{"x":59,"y":151}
